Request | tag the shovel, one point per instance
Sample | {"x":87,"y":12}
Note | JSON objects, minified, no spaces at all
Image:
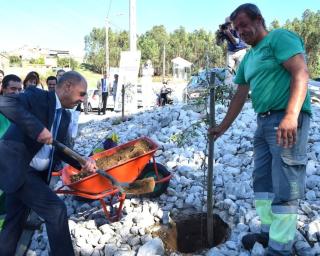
{"x":137,"y":187}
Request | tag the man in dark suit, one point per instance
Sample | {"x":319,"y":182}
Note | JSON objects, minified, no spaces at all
{"x":27,"y":158}
{"x":103,"y":86}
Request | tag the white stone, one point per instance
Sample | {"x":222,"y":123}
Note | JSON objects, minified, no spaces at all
{"x":214,"y":252}
{"x":311,"y":195}
{"x":151,"y":248}
{"x":106,"y":229}
{"x":311,"y":167}
{"x":90,"y":224}
{"x":190,"y":200}
{"x":313,"y":229}
{"x":257,"y":250}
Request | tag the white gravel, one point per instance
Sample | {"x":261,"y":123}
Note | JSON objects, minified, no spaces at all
{"x":94,"y":235}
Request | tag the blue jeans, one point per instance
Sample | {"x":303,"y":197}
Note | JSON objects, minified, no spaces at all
{"x":279,"y":176}
{"x":279,"y":170}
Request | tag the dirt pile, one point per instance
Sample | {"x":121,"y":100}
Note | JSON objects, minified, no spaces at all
{"x":141,"y":147}
{"x":189,"y":233}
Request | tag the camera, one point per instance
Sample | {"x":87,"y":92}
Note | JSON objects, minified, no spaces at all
{"x":224,"y":26}
{"x":220,"y":33}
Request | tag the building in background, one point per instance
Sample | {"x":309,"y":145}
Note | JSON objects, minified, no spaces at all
{"x":4,"y":61}
{"x":40,"y":56}
{"x":181,"y":68}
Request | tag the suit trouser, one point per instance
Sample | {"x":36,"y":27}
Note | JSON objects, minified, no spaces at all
{"x":279,"y":180}
{"x":104,"y":102}
{"x":35,"y":194}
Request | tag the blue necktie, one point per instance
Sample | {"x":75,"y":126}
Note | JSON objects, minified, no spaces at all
{"x":55,"y":128}
{"x":56,"y":122}
{"x":104,"y":87}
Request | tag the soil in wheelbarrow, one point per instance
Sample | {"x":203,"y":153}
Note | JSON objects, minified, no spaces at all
{"x":139,"y":148}
{"x":189,"y":233}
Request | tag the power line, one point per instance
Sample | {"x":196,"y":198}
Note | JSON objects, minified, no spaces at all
{"x":109,"y":8}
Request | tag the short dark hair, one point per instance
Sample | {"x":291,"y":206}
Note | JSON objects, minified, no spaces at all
{"x":51,"y":78}
{"x":1,"y":71}
{"x":72,"y":77}
{"x":60,"y":70}
{"x":8,"y":78}
{"x":251,"y":10}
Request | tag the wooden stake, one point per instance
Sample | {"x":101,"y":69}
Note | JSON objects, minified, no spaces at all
{"x":210,"y":199}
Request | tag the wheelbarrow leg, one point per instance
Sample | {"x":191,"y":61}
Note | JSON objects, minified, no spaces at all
{"x":104,"y":207}
{"x":122,"y":197}
{"x":155,"y":167}
{"x":115,"y":212}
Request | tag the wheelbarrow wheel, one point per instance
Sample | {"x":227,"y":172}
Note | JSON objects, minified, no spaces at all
{"x":149,"y":171}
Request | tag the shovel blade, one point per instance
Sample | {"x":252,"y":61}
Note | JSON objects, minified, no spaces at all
{"x":140,"y":187}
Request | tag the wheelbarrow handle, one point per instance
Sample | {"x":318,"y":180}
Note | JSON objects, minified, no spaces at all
{"x":69,"y":152}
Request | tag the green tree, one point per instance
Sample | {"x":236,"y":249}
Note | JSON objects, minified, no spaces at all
{"x":95,"y":49}
{"x":14,"y":60}
{"x":308,"y":29}
{"x":95,"y":56}
{"x":274,"y":25}
{"x":67,"y":62}
{"x":158,"y":35}
{"x":117,"y":43}
{"x":39,"y":61}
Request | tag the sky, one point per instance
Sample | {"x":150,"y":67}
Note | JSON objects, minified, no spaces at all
{"x":63,"y":24}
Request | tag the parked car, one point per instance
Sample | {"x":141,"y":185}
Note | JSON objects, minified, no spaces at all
{"x":93,"y":100}
{"x":198,"y":86}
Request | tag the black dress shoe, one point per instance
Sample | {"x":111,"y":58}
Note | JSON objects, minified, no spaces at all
{"x":249,"y":240}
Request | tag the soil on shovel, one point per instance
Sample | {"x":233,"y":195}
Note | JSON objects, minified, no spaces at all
{"x":189,"y":234}
{"x":139,"y":148}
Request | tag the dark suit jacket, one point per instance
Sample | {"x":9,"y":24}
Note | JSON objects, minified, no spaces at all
{"x":29,"y":112}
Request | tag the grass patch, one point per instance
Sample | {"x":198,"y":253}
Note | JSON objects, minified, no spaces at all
{"x":91,"y":77}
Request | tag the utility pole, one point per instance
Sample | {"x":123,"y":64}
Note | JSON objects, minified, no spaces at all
{"x":164,"y":63}
{"x":107,"y":46}
{"x":133,"y":26}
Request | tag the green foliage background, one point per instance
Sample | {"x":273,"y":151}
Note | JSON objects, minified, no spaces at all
{"x":190,"y":46}
{"x":193,"y":46}
{"x":309,"y":29}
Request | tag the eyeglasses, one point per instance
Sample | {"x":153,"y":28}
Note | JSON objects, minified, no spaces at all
{"x":82,"y":94}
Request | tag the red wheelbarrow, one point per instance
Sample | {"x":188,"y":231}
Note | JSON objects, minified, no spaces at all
{"x":97,"y":187}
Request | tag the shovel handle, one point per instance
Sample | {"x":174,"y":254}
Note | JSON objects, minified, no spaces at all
{"x":82,"y":161}
{"x":108,"y":176}
{"x":69,"y":152}
{"x":114,"y":182}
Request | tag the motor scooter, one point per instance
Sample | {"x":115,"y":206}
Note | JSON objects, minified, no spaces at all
{"x":164,"y":97}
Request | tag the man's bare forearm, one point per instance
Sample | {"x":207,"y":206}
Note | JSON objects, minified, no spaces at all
{"x":298,"y":91}
{"x":298,"y":86}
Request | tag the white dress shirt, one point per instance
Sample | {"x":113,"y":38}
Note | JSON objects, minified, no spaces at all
{"x":73,"y":126}
{"x":42,"y":159}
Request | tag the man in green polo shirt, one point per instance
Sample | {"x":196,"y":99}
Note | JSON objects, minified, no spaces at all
{"x":275,"y":71}
{"x":10,"y":84}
